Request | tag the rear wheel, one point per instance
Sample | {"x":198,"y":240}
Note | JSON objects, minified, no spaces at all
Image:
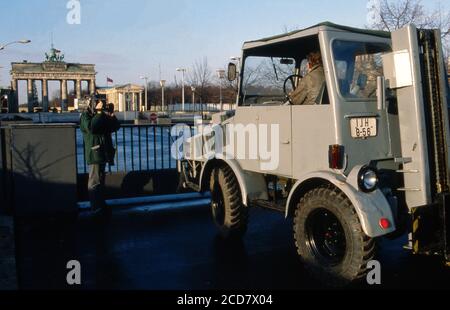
{"x":329,"y":237}
{"x":229,"y":214}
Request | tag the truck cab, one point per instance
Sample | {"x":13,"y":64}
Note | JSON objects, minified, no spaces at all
{"x":368,"y":158}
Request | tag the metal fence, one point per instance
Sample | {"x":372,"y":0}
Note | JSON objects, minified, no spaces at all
{"x":138,"y":148}
{"x":189,"y":107}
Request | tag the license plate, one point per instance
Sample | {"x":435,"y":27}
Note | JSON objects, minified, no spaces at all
{"x":363,"y":127}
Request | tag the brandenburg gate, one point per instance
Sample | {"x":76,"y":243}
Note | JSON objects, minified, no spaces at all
{"x":53,"y":69}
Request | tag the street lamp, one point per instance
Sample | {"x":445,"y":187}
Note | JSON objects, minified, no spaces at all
{"x":193,"y":96}
{"x":145,"y":86}
{"x":2,"y":47}
{"x":163,"y":84}
{"x":221,"y":76}
{"x":183,"y":71}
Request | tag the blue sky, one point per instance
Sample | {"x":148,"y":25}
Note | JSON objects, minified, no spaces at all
{"x":126,"y":39}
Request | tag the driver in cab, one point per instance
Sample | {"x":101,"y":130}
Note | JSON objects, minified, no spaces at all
{"x":310,"y":87}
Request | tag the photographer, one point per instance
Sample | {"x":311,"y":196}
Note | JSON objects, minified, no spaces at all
{"x":97,"y":124}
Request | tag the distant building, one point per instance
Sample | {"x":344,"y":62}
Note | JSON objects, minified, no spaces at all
{"x":126,"y":97}
{"x":54,"y":68}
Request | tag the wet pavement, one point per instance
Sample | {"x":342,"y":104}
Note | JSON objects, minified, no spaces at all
{"x":180,"y":249}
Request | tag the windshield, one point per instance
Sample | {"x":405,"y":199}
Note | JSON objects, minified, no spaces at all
{"x":357,"y":66}
{"x":263,"y":79}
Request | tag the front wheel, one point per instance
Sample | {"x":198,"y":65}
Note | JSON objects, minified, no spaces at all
{"x":329,"y":237}
{"x":229,"y":214}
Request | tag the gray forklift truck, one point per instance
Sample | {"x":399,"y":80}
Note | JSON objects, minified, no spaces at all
{"x":369,"y":159}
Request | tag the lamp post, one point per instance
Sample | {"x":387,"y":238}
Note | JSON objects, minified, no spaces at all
{"x":221,"y":76}
{"x":2,"y":47}
{"x":145,"y":78}
{"x":183,"y":71}
{"x":193,"y":96}
{"x":163,"y":84}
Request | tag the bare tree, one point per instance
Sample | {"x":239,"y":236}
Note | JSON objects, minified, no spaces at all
{"x":172,"y":94}
{"x":200,"y":76}
{"x":55,"y":99}
{"x":391,"y":15}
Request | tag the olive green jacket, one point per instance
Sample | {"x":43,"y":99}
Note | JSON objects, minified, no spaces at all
{"x":309,"y":87}
{"x":97,"y":130}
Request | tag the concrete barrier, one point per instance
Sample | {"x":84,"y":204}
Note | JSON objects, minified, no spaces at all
{"x":38,"y":175}
{"x":6,"y":175}
{"x":39,"y":169}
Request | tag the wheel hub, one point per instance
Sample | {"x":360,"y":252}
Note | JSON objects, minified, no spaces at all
{"x":325,"y":236}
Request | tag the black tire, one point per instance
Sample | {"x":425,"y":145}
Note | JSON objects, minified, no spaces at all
{"x":228,"y":212}
{"x":329,"y":238}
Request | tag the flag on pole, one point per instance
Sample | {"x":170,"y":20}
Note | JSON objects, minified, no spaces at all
{"x":109,"y":80}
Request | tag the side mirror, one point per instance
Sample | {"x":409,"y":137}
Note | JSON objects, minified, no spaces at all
{"x":232,"y":72}
{"x":381,"y":93}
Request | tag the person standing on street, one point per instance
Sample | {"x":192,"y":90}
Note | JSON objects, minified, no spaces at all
{"x":97,"y":124}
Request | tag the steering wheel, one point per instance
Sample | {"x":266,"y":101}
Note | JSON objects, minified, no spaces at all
{"x":291,"y":79}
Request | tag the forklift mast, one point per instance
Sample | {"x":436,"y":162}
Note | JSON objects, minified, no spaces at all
{"x":421,"y":81}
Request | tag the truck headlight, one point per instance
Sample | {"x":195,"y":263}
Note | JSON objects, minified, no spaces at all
{"x":367,"y":179}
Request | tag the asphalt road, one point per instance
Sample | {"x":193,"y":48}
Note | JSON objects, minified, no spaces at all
{"x":180,"y":249}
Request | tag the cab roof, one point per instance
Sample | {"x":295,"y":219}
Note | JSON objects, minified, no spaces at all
{"x":314,"y":30}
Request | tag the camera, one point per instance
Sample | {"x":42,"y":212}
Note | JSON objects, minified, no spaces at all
{"x":87,"y":104}
{"x":108,"y":108}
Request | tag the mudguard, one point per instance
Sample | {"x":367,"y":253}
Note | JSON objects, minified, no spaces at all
{"x":252,"y":185}
{"x":370,"y":207}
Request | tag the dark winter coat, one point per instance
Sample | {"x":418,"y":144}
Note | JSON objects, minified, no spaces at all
{"x":97,"y":130}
